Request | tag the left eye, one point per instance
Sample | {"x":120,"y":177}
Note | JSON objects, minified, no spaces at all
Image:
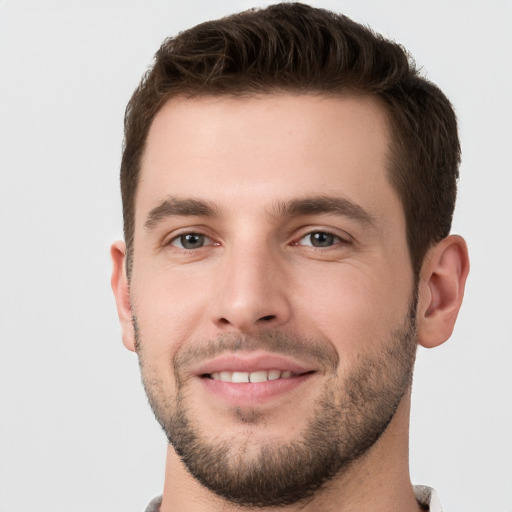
{"x":319,"y":239}
{"x":191,"y":241}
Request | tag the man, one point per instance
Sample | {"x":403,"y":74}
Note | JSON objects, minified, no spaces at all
{"x":288,"y":184}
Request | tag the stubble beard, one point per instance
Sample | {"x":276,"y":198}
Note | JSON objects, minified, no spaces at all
{"x":348,"y":419}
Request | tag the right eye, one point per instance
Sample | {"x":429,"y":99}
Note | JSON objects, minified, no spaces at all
{"x":190,"y":241}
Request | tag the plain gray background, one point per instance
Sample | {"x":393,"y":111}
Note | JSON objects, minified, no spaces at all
{"x":76,"y":434}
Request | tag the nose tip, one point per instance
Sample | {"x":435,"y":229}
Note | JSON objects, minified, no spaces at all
{"x":246,"y":318}
{"x":253,"y":297}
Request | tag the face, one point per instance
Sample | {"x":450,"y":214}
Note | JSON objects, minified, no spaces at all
{"x":272,"y":290}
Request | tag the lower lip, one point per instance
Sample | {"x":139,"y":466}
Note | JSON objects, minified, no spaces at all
{"x":254,"y":393}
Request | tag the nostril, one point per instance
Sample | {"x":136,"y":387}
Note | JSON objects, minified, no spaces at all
{"x":244,"y":323}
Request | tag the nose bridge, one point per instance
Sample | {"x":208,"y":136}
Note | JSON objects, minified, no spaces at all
{"x":252,"y":293}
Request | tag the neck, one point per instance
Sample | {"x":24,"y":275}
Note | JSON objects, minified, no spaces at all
{"x":379,"y":480}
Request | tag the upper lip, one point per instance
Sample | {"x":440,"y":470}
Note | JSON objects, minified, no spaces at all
{"x":251,"y":362}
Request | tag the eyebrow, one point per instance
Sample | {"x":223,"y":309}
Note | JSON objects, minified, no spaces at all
{"x":324,"y":205}
{"x":191,"y":207}
{"x":180,"y":207}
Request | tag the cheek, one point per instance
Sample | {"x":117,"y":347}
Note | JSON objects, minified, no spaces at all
{"x":354,"y":309}
{"x":169,"y":307}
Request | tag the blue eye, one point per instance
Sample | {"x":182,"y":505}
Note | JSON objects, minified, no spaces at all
{"x":319,"y":239}
{"x":191,"y":241}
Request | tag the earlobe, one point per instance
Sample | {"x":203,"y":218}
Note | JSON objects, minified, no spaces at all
{"x":121,"y":289}
{"x":441,"y":290}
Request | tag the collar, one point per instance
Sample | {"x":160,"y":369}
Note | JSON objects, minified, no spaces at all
{"x":427,"y":498}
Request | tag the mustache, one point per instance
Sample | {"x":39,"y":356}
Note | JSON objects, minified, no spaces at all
{"x":322,"y":354}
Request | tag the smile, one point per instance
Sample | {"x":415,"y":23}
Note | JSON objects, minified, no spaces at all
{"x":251,"y":377}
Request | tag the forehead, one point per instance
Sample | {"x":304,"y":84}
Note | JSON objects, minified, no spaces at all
{"x":248,"y":152}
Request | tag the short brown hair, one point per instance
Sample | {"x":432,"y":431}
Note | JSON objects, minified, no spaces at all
{"x":297,"y":48}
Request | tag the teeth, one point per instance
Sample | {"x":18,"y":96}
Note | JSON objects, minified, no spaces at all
{"x":245,"y":377}
{"x":240,"y":377}
{"x":225,"y":376}
{"x":274,"y":375}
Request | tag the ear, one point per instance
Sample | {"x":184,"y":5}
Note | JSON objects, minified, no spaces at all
{"x":441,"y":289}
{"x":121,"y":289}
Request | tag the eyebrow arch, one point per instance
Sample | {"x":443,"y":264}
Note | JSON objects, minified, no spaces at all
{"x":179,"y":207}
{"x":324,"y":204}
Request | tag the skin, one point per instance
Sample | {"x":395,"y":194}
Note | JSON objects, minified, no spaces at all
{"x":258,"y":271}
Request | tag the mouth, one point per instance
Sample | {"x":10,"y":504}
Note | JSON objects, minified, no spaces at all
{"x":253,"y":378}
{"x":241,"y":377}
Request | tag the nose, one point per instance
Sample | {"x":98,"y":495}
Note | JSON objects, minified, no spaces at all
{"x":252,"y":291}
